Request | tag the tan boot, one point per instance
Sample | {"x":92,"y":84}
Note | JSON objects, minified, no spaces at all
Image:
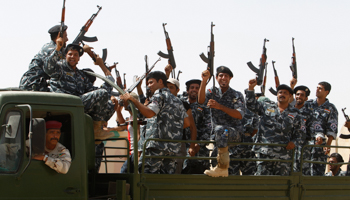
{"x":221,"y":169}
{"x":99,"y":133}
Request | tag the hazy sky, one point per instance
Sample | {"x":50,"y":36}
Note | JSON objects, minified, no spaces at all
{"x":132,"y":29}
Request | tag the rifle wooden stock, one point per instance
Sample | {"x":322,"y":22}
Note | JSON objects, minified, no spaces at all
{"x":170,"y":55}
{"x":62,"y":18}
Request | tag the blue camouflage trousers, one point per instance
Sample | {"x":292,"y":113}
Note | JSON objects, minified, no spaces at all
{"x":96,"y":104}
{"x":233,"y":135}
{"x":306,"y":156}
{"x":34,"y":80}
{"x":318,"y":154}
{"x":158,"y":165}
{"x":272,"y":168}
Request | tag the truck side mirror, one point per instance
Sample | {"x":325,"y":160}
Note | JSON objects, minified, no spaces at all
{"x":38,"y":137}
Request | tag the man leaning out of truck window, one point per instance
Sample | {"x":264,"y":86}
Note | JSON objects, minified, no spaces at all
{"x":56,"y":156}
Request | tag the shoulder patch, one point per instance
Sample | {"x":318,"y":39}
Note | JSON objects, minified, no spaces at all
{"x":291,"y":116}
{"x":271,"y":110}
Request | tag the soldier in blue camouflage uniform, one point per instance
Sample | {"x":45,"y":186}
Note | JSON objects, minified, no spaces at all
{"x":335,"y":170}
{"x":324,"y":122}
{"x":301,"y":96}
{"x":250,"y":122}
{"x":165,"y":115}
{"x":67,"y":78}
{"x":201,"y":116}
{"x":280,"y":123}
{"x":35,"y":78}
{"x":227,"y":109}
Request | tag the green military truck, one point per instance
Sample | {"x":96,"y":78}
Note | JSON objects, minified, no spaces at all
{"x":22,"y":114}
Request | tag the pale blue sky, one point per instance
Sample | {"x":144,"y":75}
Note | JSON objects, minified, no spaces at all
{"x":132,"y":29}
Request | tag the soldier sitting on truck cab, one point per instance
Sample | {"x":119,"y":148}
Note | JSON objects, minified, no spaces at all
{"x":67,"y":78}
{"x":56,"y":155}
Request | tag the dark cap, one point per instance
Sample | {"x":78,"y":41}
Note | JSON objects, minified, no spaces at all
{"x":196,"y":81}
{"x":303,"y":88}
{"x":75,"y":47}
{"x":56,"y":29}
{"x":223,"y":69}
{"x":285,"y":87}
{"x":53,"y":125}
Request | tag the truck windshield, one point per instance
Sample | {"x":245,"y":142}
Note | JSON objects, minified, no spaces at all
{"x":10,"y":142}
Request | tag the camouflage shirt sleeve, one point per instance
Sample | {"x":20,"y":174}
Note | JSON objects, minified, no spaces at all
{"x":332,"y":122}
{"x":252,"y":104}
{"x":51,"y":65}
{"x":156,"y":102}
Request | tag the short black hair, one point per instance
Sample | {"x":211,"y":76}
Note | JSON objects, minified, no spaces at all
{"x":326,"y":85}
{"x":54,"y":36}
{"x":157,"y":75}
{"x":338,"y":157}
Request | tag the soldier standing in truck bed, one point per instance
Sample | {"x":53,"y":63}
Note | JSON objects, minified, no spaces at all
{"x":280,"y":123}
{"x":65,"y":77}
{"x":227,"y":109}
{"x":166,"y":115}
{"x":324,"y":122}
{"x":35,"y":78}
{"x":301,"y":96}
{"x":201,"y":116}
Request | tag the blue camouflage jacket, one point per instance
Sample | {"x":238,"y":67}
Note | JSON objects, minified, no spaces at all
{"x":276,"y":127}
{"x":66,"y":80}
{"x":325,"y":119}
{"x":168,"y":121}
{"x":231,"y":99}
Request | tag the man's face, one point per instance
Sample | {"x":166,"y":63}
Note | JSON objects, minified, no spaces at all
{"x":193,"y":91}
{"x":52,"y":136}
{"x":223,"y":79}
{"x":72,"y":58}
{"x":283,"y":96}
{"x":300,"y":97}
{"x":333,"y":167}
{"x":153,"y":84}
{"x":321,"y":92}
{"x":173,"y":89}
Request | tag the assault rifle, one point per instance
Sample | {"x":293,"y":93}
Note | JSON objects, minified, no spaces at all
{"x":62,"y":18}
{"x":277,"y":80}
{"x":81,"y":37}
{"x":117,"y":76}
{"x":293,"y":65}
{"x":170,"y":55}
{"x":260,"y":72}
{"x":210,"y":59}
{"x":347,"y":119}
{"x":178,"y":74}
{"x":129,"y":90}
{"x":262,"y":88}
{"x":124,"y":81}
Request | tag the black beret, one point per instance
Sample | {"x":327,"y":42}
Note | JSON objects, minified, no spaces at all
{"x":91,"y":78}
{"x":56,"y":28}
{"x":197,"y":81}
{"x":303,"y":88}
{"x":75,"y":47}
{"x":285,"y":87}
{"x":223,"y":69}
